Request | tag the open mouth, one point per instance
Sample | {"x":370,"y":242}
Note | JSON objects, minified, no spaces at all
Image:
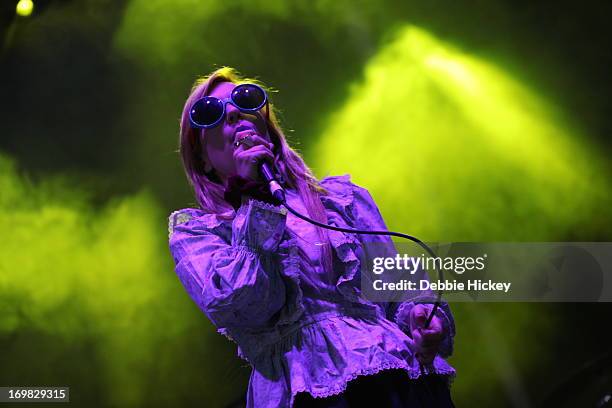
{"x":243,"y":131}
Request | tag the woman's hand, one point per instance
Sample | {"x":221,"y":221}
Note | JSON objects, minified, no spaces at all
{"x":426,"y":340}
{"x":250,"y":153}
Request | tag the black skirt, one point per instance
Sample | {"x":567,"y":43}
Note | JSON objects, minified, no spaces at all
{"x":387,"y":389}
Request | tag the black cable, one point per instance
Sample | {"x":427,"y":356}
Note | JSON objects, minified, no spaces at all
{"x":356,"y":231}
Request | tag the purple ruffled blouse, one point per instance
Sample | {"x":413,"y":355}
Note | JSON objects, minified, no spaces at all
{"x":259,"y":279}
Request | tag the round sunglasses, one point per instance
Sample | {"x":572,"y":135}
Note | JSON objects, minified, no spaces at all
{"x":208,"y":111}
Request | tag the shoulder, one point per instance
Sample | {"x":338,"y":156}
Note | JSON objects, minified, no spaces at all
{"x":353,"y":201}
{"x":192,"y":217}
{"x":344,"y":189}
{"x":336,"y":181}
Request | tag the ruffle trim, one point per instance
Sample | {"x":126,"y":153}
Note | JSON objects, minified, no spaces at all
{"x":184,"y":215}
{"x":341,"y":387}
{"x":348,"y":283}
{"x":225,"y":332}
{"x":346,"y":245}
{"x":337,"y":186}
{"x":289,"y":314}
{"x":263,"y":205}
{"x":177,"y":217}
{"x":405,"y":326}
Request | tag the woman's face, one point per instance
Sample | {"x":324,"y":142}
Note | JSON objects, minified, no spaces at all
{"x":218,"y":142}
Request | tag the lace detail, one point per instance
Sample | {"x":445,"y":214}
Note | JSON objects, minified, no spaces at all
{"x":177,"y":217}
{"x":225,"y":333}
{"x":207,"y":221}
{"x":341,"y":387}
{"x":259,"y":225}
{"x":345,"y":347}
{"x":265,"y":206}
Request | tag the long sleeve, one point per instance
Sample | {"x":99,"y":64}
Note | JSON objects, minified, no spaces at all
{"x":235,"y":280}
{"x":367,"y":216}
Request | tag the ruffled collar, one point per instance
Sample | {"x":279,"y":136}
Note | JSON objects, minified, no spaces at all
{"x":339,"y":200}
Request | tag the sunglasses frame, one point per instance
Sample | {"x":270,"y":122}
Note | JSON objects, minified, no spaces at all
{"x":224,"y":102}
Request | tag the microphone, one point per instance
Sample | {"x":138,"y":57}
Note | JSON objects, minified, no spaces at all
{"x":275,"y":187}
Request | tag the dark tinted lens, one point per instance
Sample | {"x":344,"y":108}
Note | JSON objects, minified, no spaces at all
{"x":206,"y":111}
{"x":248,"y":96}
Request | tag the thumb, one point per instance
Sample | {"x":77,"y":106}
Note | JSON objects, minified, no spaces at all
{"x":419,"y":316}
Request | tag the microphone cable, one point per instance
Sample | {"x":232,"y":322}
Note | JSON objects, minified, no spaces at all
{"x":279,"y":193}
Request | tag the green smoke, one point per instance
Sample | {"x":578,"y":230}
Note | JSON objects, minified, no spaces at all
{"x":93,"y":290}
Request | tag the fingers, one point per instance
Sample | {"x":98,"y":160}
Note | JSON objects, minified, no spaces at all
{"x":425,"y":355}
{"x":418,"y":315}
{"x":248,"y":161}
{"x":253,"y":140}
{"x":432,"y":334}
{"x":426,"y":341}
{"x":430,"y":341}
{"x":249,"y":152}
{"x":420,"y":318}
{"x":258,"y":152}
{"x":258,"y":140}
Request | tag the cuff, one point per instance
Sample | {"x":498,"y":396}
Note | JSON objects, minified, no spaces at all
{"x":259,"y":225}
{"x":402,"y":318}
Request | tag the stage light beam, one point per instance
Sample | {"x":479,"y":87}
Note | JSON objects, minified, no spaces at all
{"x":448,"y":141}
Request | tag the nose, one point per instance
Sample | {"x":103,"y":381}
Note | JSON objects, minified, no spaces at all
{"x":232,"y":114}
